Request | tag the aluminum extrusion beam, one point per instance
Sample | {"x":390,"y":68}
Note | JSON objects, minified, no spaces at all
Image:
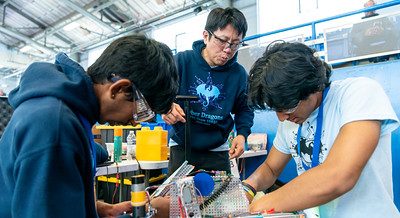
{"x":27,"y":40}
{"x":89,"y":15}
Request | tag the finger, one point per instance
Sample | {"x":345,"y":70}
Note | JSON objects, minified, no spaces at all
{"x":235,"y":155}
{"x":171,"y":119}
{"x":240,"y":149}
{"x":181,"y":118}
{"x":164,"y":117}
{"x":232,"y":154}
{"x":179,"y":114}
{"x":236,"y":152}
{"x":168,"y":120}
{"x":232,"y":150}
{"x":179,"y":109}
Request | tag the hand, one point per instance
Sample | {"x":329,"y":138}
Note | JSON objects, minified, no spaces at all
{"x":161,"y":204}
{"x":175,"y":115}
{"x":113,"y":210}
{"x":237,"y":147}
{"x":260,"y":205}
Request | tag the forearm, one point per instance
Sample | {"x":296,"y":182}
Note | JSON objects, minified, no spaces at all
{"x":113,"y":210}
{"x":262,"y":178}
{"x":102,"y":208}
{"x":267,"y":173}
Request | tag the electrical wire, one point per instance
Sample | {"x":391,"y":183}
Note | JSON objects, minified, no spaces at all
{"x":242,"y":163}
{"x":117,"y":186}
{"x":200,"y":195}
{"x":107,"y":183}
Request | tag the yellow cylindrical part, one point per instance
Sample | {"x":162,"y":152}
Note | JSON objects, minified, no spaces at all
{"x":138,"y":198}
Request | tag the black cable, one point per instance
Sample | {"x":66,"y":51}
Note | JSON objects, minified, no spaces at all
{"x":216,"y":194}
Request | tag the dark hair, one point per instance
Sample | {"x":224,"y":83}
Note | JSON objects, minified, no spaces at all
{"x":286,"y":74}
{"x":219,"y":18}
{"x":145,"y":62}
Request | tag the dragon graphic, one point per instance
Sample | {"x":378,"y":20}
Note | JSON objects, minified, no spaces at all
{"x":208,"y":92}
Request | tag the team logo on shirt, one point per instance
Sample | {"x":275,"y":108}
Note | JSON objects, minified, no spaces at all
{"x":306,"y":147}
{"x":208,"y":92}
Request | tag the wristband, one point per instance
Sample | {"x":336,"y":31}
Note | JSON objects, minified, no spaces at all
{"x":249,"y":189}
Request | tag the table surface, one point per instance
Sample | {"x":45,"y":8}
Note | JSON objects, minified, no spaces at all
{"x":152,"y":165}
{"x":133,"y":165}
{"x":130,"y":166}
{"x":122,"y":167}
{"x":251,"y":153}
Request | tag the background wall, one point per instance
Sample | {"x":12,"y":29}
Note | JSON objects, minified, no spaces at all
{"x":274,"y":15}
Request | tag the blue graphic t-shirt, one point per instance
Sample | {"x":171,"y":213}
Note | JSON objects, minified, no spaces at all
{"x":222,"y":91}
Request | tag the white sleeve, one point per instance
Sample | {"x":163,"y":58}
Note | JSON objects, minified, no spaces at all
{"x":279,"y":142}
{"x":365,"y":99}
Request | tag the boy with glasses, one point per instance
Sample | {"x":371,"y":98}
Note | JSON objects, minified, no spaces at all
{"x":211,"y":72}
{"x":48,"y":156}
{"x":338,"y":133}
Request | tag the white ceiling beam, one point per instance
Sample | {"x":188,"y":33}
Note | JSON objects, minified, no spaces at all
{"x":13,"y":74}
{"x":163,"y":18}
{"x":75,"y":17}
{"x":27,"y":40}
{"x":88,"y":15}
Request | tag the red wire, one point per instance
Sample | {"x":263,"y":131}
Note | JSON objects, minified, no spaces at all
{"x":181,"y":208}
{"x":116,"y":185}
{"x":115,"y":191}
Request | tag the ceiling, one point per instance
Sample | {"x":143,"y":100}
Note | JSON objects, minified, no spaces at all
{"x":36,"y":30}
{"x":41,"y":28}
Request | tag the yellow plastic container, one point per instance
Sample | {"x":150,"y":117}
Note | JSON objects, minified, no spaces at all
{"x":151,"y":144}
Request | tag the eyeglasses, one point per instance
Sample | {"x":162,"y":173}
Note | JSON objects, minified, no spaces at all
{"x":291,"y":110}
{"x":225,"y":43}
{"x":288,"y":111}
{"x":142,"y":111}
